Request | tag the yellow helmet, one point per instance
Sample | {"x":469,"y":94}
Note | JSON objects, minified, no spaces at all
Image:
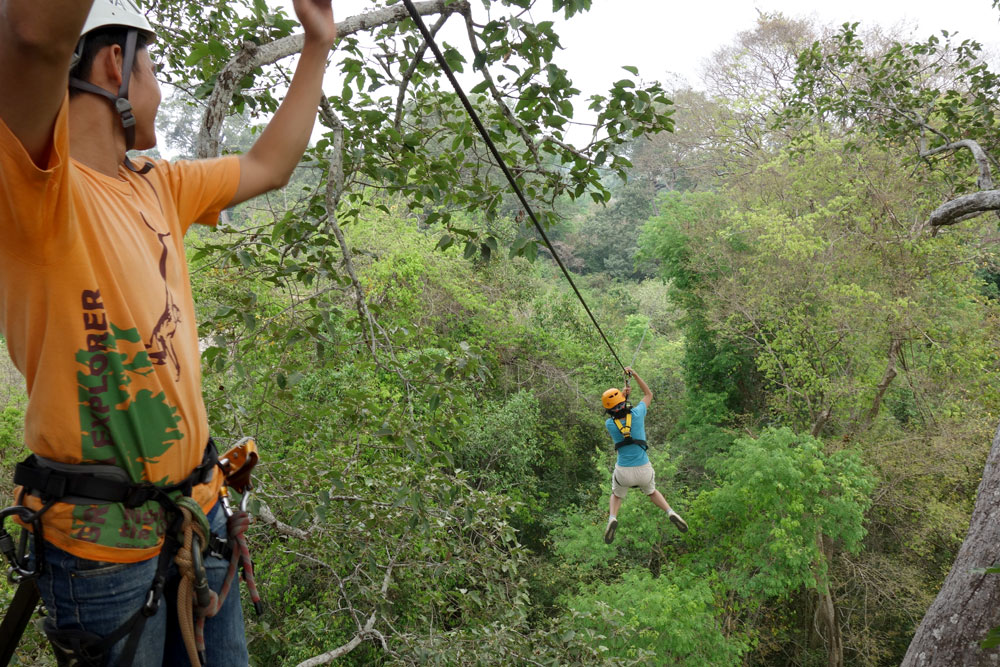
{"x":611,"y":398}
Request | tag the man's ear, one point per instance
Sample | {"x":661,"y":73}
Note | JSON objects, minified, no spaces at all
{"x":107,"y":68}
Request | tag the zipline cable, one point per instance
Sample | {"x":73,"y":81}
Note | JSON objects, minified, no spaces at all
{"x":636,"y":354}
{"x":503,"y":165}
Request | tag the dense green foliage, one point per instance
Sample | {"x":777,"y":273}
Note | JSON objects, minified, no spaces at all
{"x":435,"y":470}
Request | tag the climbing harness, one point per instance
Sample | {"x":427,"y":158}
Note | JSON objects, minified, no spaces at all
{"x":187,"y":541}
{"x":502,"y":164}
{"x":626,"y":430}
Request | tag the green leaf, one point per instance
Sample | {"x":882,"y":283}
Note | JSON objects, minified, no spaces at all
{"x":197,"y":53}
{"x":445,"y":242}
{"x":244,"y":258}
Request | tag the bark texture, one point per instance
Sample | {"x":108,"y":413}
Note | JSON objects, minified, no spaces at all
{"x":968,"y":605}
{"x":826,"y":621}
{"x":965,"y":207}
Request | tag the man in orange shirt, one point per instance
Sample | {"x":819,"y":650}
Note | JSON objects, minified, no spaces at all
{"x":96,"y":307}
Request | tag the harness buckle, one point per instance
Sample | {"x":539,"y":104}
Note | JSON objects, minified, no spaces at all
{"x":138,"y":495}
{"x":53,"y":485}
{"x":124,"y":109}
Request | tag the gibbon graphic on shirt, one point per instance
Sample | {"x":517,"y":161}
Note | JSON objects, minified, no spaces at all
{"x":161,"y":342}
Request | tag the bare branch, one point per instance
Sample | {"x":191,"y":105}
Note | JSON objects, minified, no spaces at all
{"x":985,"y":181}
{"x":267,"y":516}
{"x":961,"y":208}
{"x":368,"y":631}
{"x":887,"y":378}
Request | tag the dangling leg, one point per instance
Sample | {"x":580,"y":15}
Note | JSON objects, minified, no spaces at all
{"x":614,"y":505}
{"x":662,"y":503}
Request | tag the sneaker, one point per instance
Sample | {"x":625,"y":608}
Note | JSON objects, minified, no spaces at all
{"x":678,"y":521}
{"x":609,"y":532}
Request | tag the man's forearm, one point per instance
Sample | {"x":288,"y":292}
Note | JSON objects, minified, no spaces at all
{"x":642,"y":384}
{"x":285,"y":138}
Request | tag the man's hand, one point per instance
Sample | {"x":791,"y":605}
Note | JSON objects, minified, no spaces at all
{"x":647,"y":395}
{"x":316,"y":17}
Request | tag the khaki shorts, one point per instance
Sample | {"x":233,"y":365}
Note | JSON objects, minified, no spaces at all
{"x":625,"y":478}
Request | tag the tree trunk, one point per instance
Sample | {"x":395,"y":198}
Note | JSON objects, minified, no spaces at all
{"x":968,"y":605}
{"x":825,"y":622}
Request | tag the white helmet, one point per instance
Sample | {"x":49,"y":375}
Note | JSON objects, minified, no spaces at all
{"x":116,"y":12}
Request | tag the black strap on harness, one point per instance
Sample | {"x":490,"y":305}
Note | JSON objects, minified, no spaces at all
{"x":18,"y":616}
{"x":626,"y":431}
{"x":77,"y":485}
{"x":631,"y":441}
{"x":87,"y":485}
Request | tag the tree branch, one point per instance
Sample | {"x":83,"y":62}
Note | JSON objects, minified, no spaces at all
{"x":252,"y":56}
{"x":968,"y":605}
{"x":961,"y":208}
{"x":418,"y":57}
{"x":887,"y":378}
{"x":334,"y":190}
{"x":985,"y":181}
{"x":267,"y":516}
{"x":494,"y":91}
{"x":363,"y":633}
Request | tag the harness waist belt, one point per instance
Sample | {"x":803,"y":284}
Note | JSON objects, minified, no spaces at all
{"x":631,"y":441}
{"x":99,"y":484}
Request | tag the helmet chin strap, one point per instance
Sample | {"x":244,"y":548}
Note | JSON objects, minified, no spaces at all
{"x":120,"y":101}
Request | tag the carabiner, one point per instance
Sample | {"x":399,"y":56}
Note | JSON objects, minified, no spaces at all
{"x":17,"y":556}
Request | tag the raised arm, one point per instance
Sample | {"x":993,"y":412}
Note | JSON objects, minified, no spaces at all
{"x":37,"y":39}
{"x":270,"y":161}
{"x":647,"y":395}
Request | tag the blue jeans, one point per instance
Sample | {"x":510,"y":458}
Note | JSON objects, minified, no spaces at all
{"x":99,"y":597}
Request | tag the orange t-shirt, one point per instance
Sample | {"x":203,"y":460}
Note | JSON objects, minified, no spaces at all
{"x":95,"y":303}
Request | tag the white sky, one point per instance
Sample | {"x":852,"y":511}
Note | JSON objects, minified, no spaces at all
{"x":663,"y":38}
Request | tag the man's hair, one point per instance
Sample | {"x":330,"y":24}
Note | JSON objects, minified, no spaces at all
{"x":94,"y":41}
{"x":619,"y":409}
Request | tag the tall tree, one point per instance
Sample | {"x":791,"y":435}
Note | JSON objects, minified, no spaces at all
{"x":934,"y":99}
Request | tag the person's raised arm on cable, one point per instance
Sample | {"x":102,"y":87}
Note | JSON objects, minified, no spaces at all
{"x":271,"y":160}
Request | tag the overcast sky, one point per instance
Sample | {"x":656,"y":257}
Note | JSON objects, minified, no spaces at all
{"x":670,"y":41}
{"x":661,"y":37}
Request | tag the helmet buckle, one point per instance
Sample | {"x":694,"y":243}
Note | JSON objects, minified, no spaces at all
{"x":124,"y":108}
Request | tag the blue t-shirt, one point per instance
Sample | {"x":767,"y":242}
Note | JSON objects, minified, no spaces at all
{"x":630,"y":456}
